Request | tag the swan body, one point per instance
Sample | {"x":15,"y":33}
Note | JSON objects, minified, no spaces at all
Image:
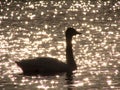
{"x":46,"y":65}
{"x":43,"y":65}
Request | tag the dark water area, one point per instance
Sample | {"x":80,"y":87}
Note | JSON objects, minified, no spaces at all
{"x":35,"y":28}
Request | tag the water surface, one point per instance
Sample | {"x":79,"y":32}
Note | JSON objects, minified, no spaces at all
{"x":30,"y":29}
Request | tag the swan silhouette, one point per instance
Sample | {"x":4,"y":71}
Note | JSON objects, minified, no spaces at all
{"x":46,"y":65}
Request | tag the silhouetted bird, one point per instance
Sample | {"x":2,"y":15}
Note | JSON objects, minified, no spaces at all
{"x":46,"y":65}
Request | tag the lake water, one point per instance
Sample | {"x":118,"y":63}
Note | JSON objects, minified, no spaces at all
{"x":35,"y":28}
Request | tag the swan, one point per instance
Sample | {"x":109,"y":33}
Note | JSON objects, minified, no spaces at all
{"x":46,"y":65}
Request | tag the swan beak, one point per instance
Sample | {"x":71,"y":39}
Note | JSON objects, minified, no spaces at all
{"x":78,"y":33}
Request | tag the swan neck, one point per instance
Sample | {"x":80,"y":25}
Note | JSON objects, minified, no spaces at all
{"x":69,"y":53}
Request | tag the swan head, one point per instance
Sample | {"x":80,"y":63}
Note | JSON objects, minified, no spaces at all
{"x":71,"y":32}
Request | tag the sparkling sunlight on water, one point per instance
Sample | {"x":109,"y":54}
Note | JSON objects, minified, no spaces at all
{"x":35,"y":28}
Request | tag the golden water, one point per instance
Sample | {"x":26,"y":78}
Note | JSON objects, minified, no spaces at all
{"x":30,"y":29}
